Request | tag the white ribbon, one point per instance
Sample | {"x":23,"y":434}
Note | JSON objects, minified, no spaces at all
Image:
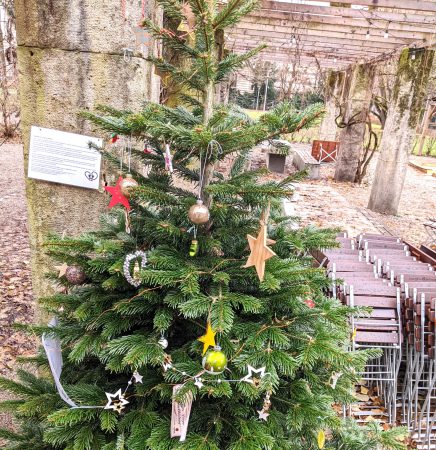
{"x":52,"y":347}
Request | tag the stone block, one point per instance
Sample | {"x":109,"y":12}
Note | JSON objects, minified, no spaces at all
{"x":99,"y":26}
{"x":303,"y":160}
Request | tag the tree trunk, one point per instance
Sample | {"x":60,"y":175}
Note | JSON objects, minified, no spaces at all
{"x":403,"y":116}
{"x":328,"y":130}
{"x":70,"y":58}
{"x":355,"y":112}
{"x":429,"y":109}
{"x":4,"y":86}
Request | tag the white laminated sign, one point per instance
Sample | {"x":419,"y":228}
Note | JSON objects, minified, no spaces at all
{"x":64,"y":158}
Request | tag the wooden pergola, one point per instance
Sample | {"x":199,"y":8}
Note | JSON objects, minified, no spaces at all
{"x":352,"y":37}
{"x":335,"y":36}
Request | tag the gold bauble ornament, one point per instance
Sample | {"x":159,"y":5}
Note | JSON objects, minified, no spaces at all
{"x":215,"y":361}
{"x":198,"y":213}
{"x":127,"y":184}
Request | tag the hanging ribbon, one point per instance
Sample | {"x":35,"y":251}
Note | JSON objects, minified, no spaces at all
{"x":52,"y":347}
{"x":129,"y":150}
{"x":168,"y":159}
{"x":122,"y":156}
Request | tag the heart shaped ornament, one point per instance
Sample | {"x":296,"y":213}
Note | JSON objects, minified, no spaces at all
{"x":140,"y":263}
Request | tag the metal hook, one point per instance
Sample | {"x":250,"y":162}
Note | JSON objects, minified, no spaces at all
{"x":127,"y":54}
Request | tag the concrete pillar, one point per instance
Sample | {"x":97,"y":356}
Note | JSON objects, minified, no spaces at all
{"x":328,"y":130}
{"x":402,"y":119}
{"x":70,"y":58}
{"x":354,"y":112}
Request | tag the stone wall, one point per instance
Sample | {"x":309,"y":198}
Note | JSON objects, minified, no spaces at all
{"x":70,"y":57}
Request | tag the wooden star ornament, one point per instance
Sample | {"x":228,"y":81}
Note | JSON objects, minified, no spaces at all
{"x":117,"y":196}
{"x":260,"y":252}
{"x":208,"y":339}
{"x":62,"y":269}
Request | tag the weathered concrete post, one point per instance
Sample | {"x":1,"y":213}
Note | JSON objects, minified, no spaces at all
{"x":328,"y":130}
{"x":70,"y":58}
{"x":397,"y":140}
{"x":354,"y":113}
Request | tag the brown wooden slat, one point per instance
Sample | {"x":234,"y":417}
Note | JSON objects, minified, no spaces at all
{"x":379,"y":302}
{"x":423,"y":284}
{"x":377,"y":237}
{"x":344,"y":267}
{"x":407,"y":268}
{"x":369,"y":275}
{"x":371,"y":337}
{"x":418,"y":291}
{"x":379,"y":313}
{"x":333,"y":257}
{"x":342,"y":251}
{"x":369,"y":323}
{"x":417,"y":276}
{"x":382,"y":244}
{"x":399,"y":258}
{"x":374,"y":289}
{"x":421,"y":255}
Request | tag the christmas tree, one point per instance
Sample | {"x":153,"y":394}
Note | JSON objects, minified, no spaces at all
{"x":195,"y":293}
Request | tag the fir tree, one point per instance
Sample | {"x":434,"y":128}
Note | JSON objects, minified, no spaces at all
{"x":109,"y":329}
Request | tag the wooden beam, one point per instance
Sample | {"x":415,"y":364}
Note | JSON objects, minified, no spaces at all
{"x":284,"y":45}
{"x":325,"y":35}
{"x":345,"y":13}
{"x":373,"y":25}
{"x":355,"y":33}
{"x":306,"y":64}
{"x":244,"y":46}
{"x":316,"y":39}
{"x":272,"y":55}
{"x":416,"y":5}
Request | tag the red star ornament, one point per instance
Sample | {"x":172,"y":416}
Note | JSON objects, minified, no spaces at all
{"x":310,"y":303}
{"x":117,"y":196}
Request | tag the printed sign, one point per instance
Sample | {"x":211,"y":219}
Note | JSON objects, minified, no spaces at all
{"x":180,"y":415}
{"x":64,"y":158}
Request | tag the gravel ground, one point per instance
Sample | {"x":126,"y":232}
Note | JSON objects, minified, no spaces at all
{"x":326,"y":202}
{"x":16,"y":301}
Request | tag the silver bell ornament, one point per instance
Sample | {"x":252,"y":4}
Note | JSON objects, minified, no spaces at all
{"x":127,"y":185}
{"x":198,"y":213}
{"x":214,"y":361}
{"x":75,"y":275}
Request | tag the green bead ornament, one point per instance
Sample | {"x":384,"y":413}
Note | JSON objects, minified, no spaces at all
{"x":215,"y":361}
{"x":193,"y":249}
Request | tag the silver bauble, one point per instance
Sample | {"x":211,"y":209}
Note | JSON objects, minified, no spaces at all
{"x":198,"y":213}
{"x":127,"y":185}
{"x":163,"y":342}
{"x":75,"y":275}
